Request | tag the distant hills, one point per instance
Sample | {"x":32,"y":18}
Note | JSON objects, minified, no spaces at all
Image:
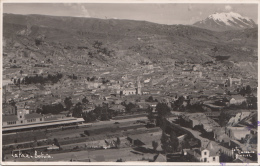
{"x":125,"y":42}
{"x":226,"y":21}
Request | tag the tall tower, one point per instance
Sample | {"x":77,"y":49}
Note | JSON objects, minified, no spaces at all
{"x":139,"y":87}
{"x":230,"y":81}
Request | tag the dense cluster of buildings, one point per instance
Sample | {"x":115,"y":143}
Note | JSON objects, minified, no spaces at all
{"x":212,"y":86}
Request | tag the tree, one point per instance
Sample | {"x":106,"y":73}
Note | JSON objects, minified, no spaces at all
{"x":223,"y":118}
{"x":56,"y":142}
{"x":68,"y":103}
{"x":244,"y":105}
{"x":174,"y":141}
{"x":185,"y":144}
{"x":129,"y":107}
{"x":169,"y":142}
{"x":248,"y":90}
{"x":242,"y":91}
{"x":178,"y":103}
{"x":12,"y":102}
{"x":103,"y":112}
{"x":21,"y":72}
{"x":155,"y":145}
{"x":118,"y":142}
{"x":252,"y":102}
{"x":150,"y":99}
{"x":165,"y":142}
{"x":85,"y":100}
{"x":104,"y":117}
{"x":77,"y":111}
{"x":151,"y":117}
{"x":90,"y":117}
{"x":163,"y":111}
{"x":38,"y":41}
{"x":18,"y":81}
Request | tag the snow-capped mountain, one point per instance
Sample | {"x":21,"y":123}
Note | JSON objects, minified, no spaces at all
{"x":226,"y":21}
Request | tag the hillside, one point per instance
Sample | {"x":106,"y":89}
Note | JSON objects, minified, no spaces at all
{"x":102,"y":41}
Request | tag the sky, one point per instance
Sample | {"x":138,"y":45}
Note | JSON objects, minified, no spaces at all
{"x":170,"y":13}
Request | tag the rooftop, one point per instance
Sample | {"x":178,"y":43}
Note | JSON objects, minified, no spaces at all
{"x":10,"y":118}
{"x":32,"y":116}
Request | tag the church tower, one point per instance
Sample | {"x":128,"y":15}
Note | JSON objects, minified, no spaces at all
{"x":139,"y":87}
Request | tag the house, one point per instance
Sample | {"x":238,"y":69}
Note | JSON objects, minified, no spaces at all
{"x":207,"y":154}
{"x":237,"y":100}
{"x":22,"y":117}
{"x":9,"y":120}
{"x":146,"y":92}
{"x":128,"y":91}
{"x":233,"y":81}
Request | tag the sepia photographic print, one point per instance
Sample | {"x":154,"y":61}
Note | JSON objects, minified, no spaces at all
{"x":131,"y":81}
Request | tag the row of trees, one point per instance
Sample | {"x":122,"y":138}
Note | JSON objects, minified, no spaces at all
{"x":244,"y":90}
{"x":39,"y":79}
{"x":50,"y":109}
{"x":169,"y":140}
{"x":100,"y":113}
{"x":182,"y":105}
{"x":58,"y":108}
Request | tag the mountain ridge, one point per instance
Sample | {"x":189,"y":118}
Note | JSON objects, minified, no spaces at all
{"x":129,"y":40}
{"x":226,"y":21}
